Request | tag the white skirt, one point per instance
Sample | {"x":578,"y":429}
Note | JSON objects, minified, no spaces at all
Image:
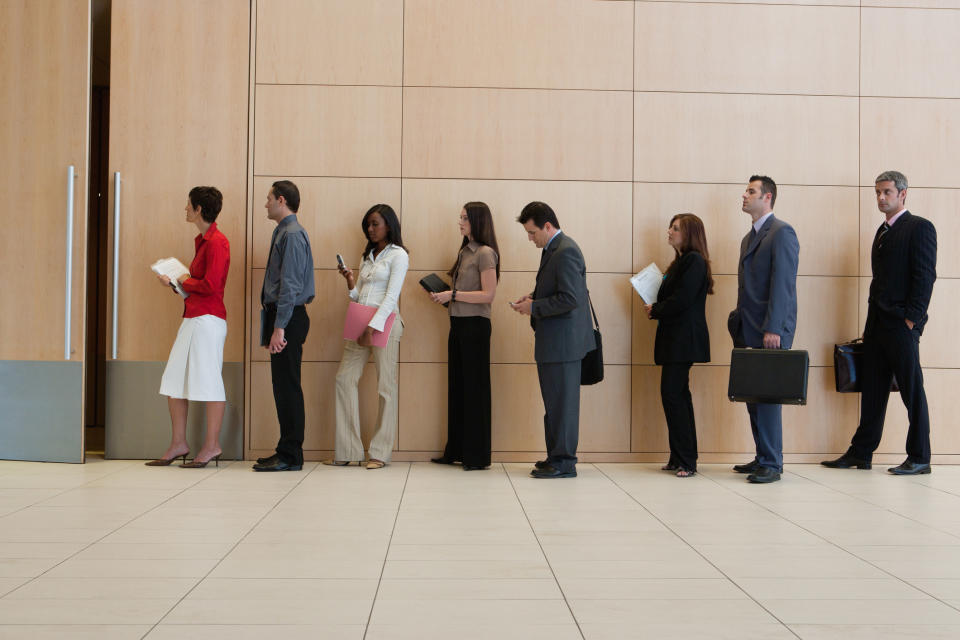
{"x":195,"y":367}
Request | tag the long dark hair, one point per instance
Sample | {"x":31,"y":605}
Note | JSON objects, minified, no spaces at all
{"x":393,"y":227}
{"x":481,"y":228}
{"x":694,"y":239}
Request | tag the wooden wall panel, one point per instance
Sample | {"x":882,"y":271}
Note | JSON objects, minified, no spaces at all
{"x":922,"y":63}
{"x":329,"y":42}
{"x":918,"y":137}
{"x":432,"y":210}
{"x":306,"y":130}
{"x":423,"y":416}
{"x":331,"y":210}
{"x":714,"y":55}
{"x":726,"y":138}
{"x":927,"y":4}
{"x":939,"y":206}
{"x":825,"y":219}
{"x":43,"y":131}
{"x":519,"y":133}
{"x":554,"y":44}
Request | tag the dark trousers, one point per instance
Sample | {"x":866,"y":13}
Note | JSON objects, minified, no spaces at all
{"x":468,"y":391}
{"x":287,"y":392}
{"x":888,"y":352}
{"x":678,"y":409}
{"x":560,"y":388}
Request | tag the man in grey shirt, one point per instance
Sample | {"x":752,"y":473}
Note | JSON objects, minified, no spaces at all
{"x":287,"y":287}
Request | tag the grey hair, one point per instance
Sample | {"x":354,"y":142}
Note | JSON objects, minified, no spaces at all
{"x":898,"y":179}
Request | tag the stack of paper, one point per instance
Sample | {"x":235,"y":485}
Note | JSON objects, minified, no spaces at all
{"x":647,"y":282}
{"x":173,"y":269}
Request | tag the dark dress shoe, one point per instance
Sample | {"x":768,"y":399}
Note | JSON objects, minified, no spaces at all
{"x":908,"y":468}
{"x":847,"y":462}
{"x":277,"y":465}
{"x":551,"y":472}
{"x":542,"y":464}
{"x":763,"y":475}
{"x":475,"y":467}
{"x":750,"y":467}
{"x":268,"y":459}
{"x":443,"y":460}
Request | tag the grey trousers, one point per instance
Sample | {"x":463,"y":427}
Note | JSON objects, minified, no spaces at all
{"x":560,"y":388}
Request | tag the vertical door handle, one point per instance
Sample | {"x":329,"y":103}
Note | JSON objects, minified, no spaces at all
{"x":116,"y":254}
{"x":68,"y":290}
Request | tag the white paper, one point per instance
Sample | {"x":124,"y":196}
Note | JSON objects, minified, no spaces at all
{"x":647,"y":282}
{"x":173,"y":269}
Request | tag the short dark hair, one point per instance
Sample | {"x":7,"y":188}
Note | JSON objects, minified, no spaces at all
{"x":540,"y":213}
{"x":393,"y":226}
{"x":210,"y":201}
{"x":767,"y":185}
{"x":289,"y":192}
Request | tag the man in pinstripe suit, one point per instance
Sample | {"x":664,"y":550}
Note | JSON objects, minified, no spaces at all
{"x":904,"y":261}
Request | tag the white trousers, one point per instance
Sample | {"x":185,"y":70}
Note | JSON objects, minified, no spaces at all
{"x":194,"y":369}
{"x":348,"y":446}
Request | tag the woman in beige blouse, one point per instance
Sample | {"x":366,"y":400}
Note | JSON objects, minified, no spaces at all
{"x":475,"y":275}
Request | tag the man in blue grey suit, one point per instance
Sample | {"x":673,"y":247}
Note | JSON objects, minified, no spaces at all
{"x":559,"y":311}
{"x":766,"y":313}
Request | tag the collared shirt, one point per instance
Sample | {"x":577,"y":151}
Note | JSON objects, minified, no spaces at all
{"x":474,"y":259}
{"x":759,"y":223}
{"x":550,"y":241}
{"x":896,"y":217}
{"x":288,"y":279}
{"x":208,"y":275}
{"x":380,"y":281}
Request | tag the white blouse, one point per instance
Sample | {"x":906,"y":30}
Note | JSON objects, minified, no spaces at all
{"x":380,"y":281}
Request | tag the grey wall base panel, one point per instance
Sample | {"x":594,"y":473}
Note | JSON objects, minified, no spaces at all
{"x":138,"y":420}
{"x":41,"y":411}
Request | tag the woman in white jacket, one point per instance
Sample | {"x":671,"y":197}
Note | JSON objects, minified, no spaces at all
{"x":384,"y":266}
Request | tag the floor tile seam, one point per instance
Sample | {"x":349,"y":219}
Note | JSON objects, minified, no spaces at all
{"x":109,"y":533}
{"x":882,"y":506}
{"x":230,"y":550}
{"x":834,"y":544}
{"x":545,"y":557}
{"x":64,"y":491}
{"x":386,"y":554}
{"x":697,"y":551}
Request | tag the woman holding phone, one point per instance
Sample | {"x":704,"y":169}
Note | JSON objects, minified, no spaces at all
{"x":682,"y":336}
{"x":194,"y":369}
{"x":475,"y":275}
{"x":384,"y":266}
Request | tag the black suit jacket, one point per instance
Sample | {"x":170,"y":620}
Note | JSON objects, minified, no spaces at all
{"x":904,"y":265}
{"x":682,"y":334}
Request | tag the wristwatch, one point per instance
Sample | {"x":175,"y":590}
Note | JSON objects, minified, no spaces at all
{"x":453,"y":296}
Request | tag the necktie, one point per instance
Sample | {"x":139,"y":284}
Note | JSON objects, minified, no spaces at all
{"x":882,"y":231}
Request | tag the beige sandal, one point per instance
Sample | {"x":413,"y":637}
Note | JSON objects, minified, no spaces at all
{"x":341,"y":463}
{"x":375,"y":464}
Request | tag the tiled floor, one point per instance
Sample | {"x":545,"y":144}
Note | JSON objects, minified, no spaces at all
{"x":113,"y":549}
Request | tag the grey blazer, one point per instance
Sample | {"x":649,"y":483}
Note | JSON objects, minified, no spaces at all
{"x":767,"y":285}
{"x":560,"y":315}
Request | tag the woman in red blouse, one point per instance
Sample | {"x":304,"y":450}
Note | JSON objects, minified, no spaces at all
{"x":194,"y":369}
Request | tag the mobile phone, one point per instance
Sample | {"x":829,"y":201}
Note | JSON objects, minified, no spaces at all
{"x":340,"y":261}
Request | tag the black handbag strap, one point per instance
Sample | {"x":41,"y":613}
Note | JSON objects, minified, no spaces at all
{"x":596,"y":323}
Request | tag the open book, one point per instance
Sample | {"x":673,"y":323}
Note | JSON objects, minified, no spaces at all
{"x":647,"y":282}
{"x":173,"y":269}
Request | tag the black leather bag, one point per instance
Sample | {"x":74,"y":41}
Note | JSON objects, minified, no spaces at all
{"x":771,"y":376}
{"x":847,"y":365}
{"x":591,"y":368}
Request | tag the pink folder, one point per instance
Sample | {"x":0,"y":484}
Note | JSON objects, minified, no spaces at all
{"x":357,"y":320}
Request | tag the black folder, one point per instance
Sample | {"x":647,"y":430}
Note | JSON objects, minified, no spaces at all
{"x":772,"y":376}
{"x":434,"y":284}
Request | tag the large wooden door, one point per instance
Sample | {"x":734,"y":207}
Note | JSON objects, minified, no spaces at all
{"x":179,"y":81}
{"x":44,"y":115}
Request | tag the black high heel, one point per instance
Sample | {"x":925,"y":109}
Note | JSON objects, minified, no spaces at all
{"x":200,"y":464}
{"x":166,"y":462}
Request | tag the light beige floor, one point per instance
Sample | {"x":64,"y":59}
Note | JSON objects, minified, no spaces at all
{"x":113,"y":549}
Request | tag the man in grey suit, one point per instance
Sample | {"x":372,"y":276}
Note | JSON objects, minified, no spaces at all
{"x":766,"y":313}
{"x":559,"y":311}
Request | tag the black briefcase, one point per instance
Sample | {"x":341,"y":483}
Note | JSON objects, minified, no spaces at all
{"x":847,"y":365}
{"x":771,"y":376}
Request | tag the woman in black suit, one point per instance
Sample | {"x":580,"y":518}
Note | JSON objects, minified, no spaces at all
{"x":682,"y":336}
